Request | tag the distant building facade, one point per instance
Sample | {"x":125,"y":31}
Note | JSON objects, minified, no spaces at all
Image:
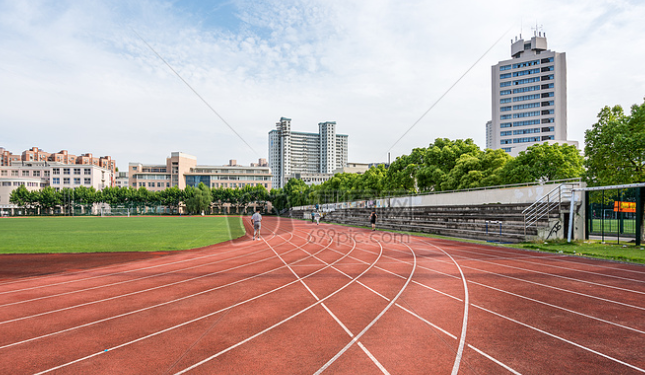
{"x":529,"y":97}
{"x":181,"y":170}
{"x":35,"y":175}
{"x":293,"y":154}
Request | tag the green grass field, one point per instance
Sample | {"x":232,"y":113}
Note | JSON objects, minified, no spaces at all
{"x":112,"y":234}
{"x":612,"y":226}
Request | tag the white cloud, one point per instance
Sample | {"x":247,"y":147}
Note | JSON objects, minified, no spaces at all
{"x":75,"y":75}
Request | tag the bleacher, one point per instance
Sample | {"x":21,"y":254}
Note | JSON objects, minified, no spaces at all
{"x":481,"y":222}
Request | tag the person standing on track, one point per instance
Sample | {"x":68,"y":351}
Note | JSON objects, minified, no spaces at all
{"x":256,"y":221}
{"x":373,"y":220}
{"x":317,"y":216}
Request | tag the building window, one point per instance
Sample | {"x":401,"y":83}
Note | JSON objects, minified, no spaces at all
{"x":548,"y":137}
{"x":134,"y":184}
{"x":526,"y":139}
{"x":56,"y":171}
{"x":88,"y":181}
{"x":526,"y":131}
{"x":14,"y":174}
{"x":66,"y":171}
{"x":547,"y":95}
{"x":46,"y":173}
{"x":25,"y":173}
{"x":151,"y":184}
{"x":547,"y":112}
{"x":505,"y":109}
{"x":505,"y":67}
{"x":505,"y":125}
{"x":526,"y":63}
{"x":56,"y":180}
{"x":547,"y":104}
{"x":87,"y":171}
{"x":525,"y":89}
{"x":505,"y":100}
{"x":548,"y":129}
{"x":549,"y":86}
{"x":548,"y":120}
{"x":547,"y":60}
{"x":526,"y":80}
{"x":506,"y":141}
{"x":505,"y":84}
{"x":77,"y":170}
{"x":525,"y":72}
{"x":66,"y":180}
{"x":547,"y":78}
{"x":527,"y":122}
{"x":547,"y":69}
{"x":77,"y":180}
{"x":36,"y":173}
{"x":3,"y":173}
{"x":505,"y":92}
{"x":525,"y":106}
{"x":505,"y":133}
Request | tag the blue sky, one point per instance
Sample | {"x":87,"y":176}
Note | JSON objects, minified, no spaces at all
{"x":75,"y":75}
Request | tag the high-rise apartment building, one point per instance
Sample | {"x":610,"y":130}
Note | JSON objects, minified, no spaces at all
{"x":294,"y":153}
{"x":529,"y":96}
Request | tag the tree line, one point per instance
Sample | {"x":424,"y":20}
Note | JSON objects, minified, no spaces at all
{"x":195,"y":199}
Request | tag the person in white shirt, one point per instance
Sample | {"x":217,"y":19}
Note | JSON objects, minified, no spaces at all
{"x":256,"y":220}
{"x":317,"y":217}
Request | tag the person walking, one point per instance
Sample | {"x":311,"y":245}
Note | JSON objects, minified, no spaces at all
{"x":317,"y":216}
{"x":256,"y":221}
{"x":373,"y":220}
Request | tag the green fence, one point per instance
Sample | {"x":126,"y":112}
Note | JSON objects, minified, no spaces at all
{"x":615,"y":212}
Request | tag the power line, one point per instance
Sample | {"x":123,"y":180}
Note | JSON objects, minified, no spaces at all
{"x":196,"y":93}
{"x":447,"y":91}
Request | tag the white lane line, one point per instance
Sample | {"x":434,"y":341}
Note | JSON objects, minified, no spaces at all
{"x":124,"y":272}
{"x":533,"y":262}
{"x":557,"y":337}
{"x":140,"y":291}
{"x":560,"y":258}
{"x":145,"y":308}
{"x":360,"y":334}
{"x":176,"y":326}
{"x":494,"y":360}
{"x":428,"y":322}
{"x":561,"y":339}
{"x":464,"y":324}
{"x":376,"y":362}
{"x":137,"y":279}
{"x":281,"y":322}
{"x":534,"y":283}
{"x":558,"y":307}
{"x":340,"y":323}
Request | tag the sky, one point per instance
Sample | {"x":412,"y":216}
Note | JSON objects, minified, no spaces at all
{"x":84,"y":76}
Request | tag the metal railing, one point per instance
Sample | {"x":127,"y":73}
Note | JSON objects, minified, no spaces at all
{"x":548,"y":204}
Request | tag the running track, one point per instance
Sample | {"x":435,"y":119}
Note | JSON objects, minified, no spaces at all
{"x":310,"y":299}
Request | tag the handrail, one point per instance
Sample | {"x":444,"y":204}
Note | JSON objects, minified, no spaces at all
{"x":546,"y":204}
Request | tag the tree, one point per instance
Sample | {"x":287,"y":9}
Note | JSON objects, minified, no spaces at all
{"x":200,"y":200}
{"x":543,"y":162}
{"x":22,"y":197}
{"x":615,"y":147}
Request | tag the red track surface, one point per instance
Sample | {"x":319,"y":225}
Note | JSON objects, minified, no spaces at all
{"x":312,"y":299}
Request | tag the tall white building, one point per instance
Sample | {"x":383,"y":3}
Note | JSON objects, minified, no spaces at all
{"x":294,"y":153}
{"x":529,"y":94}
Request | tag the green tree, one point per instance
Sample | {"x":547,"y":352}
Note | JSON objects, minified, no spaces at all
{"x":200,"y":200}
{"x":615,"y":147}
{"x":543,"y":162}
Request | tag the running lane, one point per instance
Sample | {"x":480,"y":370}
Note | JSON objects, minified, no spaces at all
{"x":310,"y":299}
